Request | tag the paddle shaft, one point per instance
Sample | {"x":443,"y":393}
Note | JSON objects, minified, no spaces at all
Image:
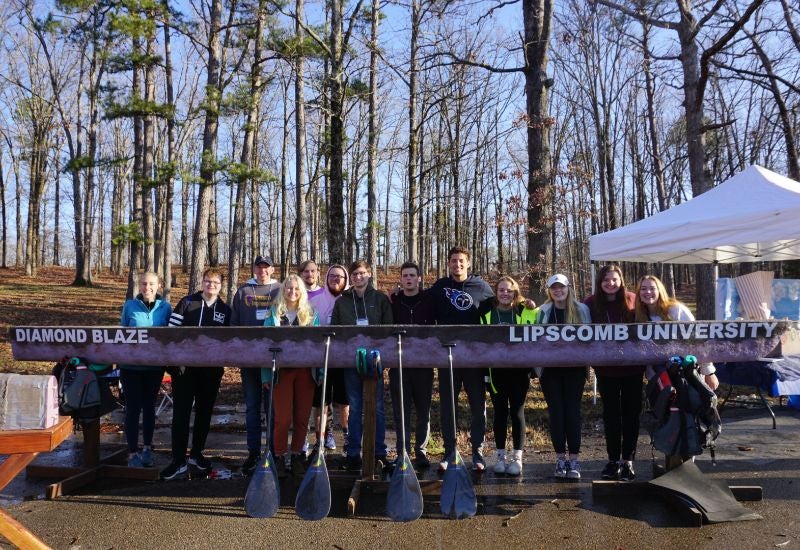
{"x":402,"y":401}
{"x":453,"y":398}
{"x":275,"y":352}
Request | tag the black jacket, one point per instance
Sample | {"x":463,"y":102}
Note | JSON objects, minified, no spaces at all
{"x":192,"y":311}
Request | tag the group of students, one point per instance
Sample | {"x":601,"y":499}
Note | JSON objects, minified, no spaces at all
{"x":347,"y":297}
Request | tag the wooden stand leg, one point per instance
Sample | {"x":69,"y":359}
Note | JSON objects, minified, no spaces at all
{"x":17,"y":535}
{"x":368,"y":438}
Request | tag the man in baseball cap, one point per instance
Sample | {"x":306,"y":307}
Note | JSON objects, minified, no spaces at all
{"x":251,"y":305}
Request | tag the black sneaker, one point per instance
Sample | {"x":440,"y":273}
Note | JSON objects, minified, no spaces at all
{"x":626,"y":472}
{"x":352,"y":463}
{"x":611,"y":471}
{"x":250,"y":464}
{"x":200,"y":463}
{"x":421,"y":461}
{"x":478,"y":463}
{"x":175,"y":470}
{"x":280,"y":468}
{"x":298,"y":465}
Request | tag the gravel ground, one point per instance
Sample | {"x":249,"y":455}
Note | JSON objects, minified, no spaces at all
{"x":535,"y":511}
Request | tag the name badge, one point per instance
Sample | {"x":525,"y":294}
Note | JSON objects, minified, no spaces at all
{"x":261,"y":314}
{"x":362,"y":322}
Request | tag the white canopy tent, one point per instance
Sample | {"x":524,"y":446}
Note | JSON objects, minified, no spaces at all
{"x":752,"y":217}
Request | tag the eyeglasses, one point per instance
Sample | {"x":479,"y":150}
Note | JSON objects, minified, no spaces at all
{"x":359,"y":274}
{"x":215,"y":283}
{"x":336,"y":277}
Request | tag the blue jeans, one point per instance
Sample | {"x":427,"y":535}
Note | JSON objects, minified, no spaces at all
{"x":355,"y":425}
{"x":255,"y":401}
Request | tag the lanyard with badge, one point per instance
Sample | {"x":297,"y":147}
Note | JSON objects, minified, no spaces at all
{"x":262,"y":314}
{"x":360,"y":321}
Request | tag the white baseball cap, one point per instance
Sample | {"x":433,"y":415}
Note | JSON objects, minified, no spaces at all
{"x":557,"y":278}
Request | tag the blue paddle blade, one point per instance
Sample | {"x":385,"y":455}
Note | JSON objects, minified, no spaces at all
{"x":263,"y":495}
{"x":404,"y":498}
{"x":313,"y":500}
{"x":458,"y":496}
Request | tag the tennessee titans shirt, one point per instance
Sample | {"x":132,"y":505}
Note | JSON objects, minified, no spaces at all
{"x":456,"y":303}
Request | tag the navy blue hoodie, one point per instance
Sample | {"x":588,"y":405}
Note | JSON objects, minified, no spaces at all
{"x":457,"y":303}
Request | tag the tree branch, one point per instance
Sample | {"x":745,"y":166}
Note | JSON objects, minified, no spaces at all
{"x":639,"y":15}
{"x":720,"y":44}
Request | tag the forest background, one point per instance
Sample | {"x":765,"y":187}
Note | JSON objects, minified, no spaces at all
{"x":156,"y":135}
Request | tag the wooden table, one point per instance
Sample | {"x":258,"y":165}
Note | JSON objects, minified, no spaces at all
{"x":22,"y":446}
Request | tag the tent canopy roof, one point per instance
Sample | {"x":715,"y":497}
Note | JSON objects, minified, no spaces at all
{"x":752,"y":217}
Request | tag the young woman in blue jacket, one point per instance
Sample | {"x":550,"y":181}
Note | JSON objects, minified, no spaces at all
{"x":140,"y":383}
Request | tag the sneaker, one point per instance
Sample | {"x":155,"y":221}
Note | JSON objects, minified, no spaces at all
{"x":305,"y":446}
{"x":500,"y":466}
{"x":573,"y":469}
{"x":626,"y":472}
{"x":478,"y":463}
{"x":443,"y":466}
{"x":514,"y":464}
{"x":298,"y":466}
{"x":147,"y":457}
{"x":611,"y":471}
{"x":352,"y":463}
{"x":280,"y":469}
{"x":330,"y":442}
{"x":200,"y":463}
{"x":175,"y":470}
{"x":421,"y":461}
{"x":135,"y":461}
{"x":561,"y":467}
{"x":250,"y":464}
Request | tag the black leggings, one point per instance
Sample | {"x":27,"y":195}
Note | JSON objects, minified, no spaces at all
{"x":563,"y":389}
{"x":622,"y":407}
{"x":512,"y":388}
{"x":141,"y":389}
{"x":198,"y":386}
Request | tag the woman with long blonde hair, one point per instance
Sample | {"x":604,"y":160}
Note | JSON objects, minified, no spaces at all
{"x":563,"y":386}
{"x":654,"y":304}
{"x":294,"y":389}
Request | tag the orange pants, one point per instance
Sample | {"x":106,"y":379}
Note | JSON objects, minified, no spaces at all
{"x":292,"y":399}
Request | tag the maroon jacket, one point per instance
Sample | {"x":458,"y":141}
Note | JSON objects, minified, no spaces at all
{"x":616,"y":312}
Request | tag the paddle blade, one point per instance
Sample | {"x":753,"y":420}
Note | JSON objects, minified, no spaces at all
{"x":313,"y":500}
{"x":263,"y":493}
{"x":458,"y":496}
{"x":404,"y":498}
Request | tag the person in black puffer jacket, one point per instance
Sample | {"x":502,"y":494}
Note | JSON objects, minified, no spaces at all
{"x":198,"y":385}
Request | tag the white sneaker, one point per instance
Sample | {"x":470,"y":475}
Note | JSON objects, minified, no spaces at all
{"x":443,"y":465}
{"x":330,"y":442}
{"x":514,"y":466}
{"x":500,"y":465}
{"x":561,"y":467}
{"x":573,"y":469}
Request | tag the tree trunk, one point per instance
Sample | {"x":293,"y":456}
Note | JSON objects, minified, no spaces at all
{"x":537,"y":17}
{"x":248,"y":144}
{"x":166,"y":259}
{"x":301,"y":248}
{"x":209,"y":154}
{"x":372,"y":143}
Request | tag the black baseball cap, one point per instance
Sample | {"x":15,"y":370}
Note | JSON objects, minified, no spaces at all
{"x":262,"y":260}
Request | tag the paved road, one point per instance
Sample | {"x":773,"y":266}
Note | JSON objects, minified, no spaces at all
{"x":534,"y":512}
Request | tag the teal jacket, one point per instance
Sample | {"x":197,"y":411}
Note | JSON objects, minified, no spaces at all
{"x":136,"y":314}
{"x":522,"y":316}
{"x":274,"y":321}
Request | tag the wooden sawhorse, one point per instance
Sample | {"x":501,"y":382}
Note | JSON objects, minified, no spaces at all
{"x":22,"y":446}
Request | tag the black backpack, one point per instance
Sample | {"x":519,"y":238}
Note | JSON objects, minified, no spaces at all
{"x":78,"y":389}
